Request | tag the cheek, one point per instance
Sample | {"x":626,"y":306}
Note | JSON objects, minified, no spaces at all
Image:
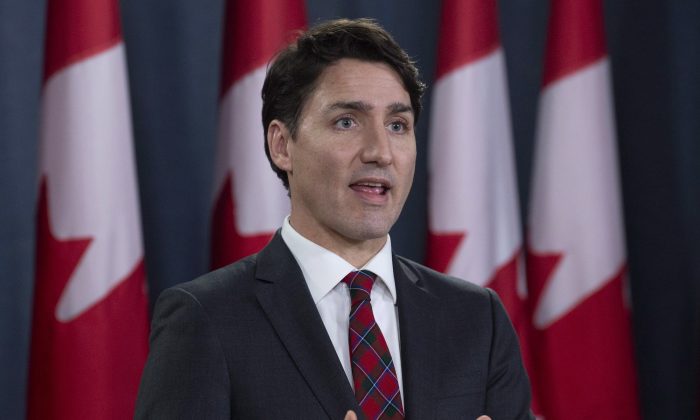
{"x":329,"y":164}
{"x":406,"y":160}
{"x":318,"y":171}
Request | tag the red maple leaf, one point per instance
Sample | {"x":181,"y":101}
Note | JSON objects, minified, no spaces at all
{"x":583,"y":362}
{"x":90,"y":366}
{"x":227,"y":243}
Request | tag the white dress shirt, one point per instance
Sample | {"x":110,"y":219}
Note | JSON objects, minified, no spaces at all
{"x":324,"y":270}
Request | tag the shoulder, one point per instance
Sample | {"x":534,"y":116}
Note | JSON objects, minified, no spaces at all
{"x":236,"y":279}
{"x":438,"y":284}
{"x":455,"y":298}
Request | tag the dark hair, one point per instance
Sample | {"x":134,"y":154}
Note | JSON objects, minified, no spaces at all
{"x":292,"y":77}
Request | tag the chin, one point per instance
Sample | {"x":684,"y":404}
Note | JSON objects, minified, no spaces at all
{"x":363,"y":231}
{"x":373,"y":234}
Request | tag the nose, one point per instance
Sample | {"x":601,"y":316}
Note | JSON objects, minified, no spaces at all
{"x":377,"y":146}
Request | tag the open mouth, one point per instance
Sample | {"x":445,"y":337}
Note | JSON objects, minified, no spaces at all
{"x":379,"y":188}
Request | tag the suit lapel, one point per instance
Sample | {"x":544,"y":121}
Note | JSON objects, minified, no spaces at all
{"x":418,"y":325}
{"x":287,"y":302}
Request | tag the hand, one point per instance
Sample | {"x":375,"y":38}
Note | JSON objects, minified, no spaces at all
{"x":480,"y":418}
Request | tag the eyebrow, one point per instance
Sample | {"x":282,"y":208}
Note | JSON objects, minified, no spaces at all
{"x":398,"y":108}
{"x":394,"y":107}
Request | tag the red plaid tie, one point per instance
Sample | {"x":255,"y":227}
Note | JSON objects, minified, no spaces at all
{"x":376,"y":385}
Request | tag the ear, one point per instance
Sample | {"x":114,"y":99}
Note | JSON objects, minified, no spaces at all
{"x":278,"y":141}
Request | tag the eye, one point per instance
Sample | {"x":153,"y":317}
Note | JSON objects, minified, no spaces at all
{"x":398,"y":127}
{"x":345,"y":123}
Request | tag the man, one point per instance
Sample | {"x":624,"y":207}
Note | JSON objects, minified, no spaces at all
{"x":325,"y":319}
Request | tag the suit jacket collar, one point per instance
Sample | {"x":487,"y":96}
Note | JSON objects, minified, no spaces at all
{"x":284,"y":296}
{"x":287,"y":302}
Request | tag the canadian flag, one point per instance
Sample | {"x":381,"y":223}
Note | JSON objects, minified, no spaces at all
{"x":581,"y":345}
{"x":250,"y":200}
{"x":474,"y":229}
{"x":90,"y":320}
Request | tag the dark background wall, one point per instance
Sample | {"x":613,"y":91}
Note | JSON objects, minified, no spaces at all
{"x":173,"y":51}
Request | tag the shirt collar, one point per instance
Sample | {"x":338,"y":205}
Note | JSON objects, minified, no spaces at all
{"x":323,"y":269}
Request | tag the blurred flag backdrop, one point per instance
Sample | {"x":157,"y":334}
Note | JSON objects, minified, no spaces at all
{"x":250,"y":200}
{"x":90,"y":316}
{"x":609,"y":176}
{"x":577,"y":268}
{"x":474,"y":230}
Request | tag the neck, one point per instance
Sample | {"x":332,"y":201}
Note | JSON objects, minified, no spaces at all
{"x":356,"y":252}
{"x":359,"y":256}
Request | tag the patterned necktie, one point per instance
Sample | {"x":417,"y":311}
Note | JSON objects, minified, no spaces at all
{"x":376,"y":385}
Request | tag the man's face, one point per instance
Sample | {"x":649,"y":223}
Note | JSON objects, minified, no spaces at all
{"x":352,"y":160}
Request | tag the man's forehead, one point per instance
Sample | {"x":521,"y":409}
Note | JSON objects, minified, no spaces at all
{"x":363,"y":85}
{"x":352,"y":70}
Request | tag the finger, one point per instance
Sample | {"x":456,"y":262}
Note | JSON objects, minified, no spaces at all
{"x":480,"y":418}
{"x":350,"y":415}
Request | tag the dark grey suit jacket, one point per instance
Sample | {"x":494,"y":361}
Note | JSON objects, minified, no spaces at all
{"x":246,"y":341}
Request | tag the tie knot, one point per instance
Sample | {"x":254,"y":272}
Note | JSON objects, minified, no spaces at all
{"x":360,"y":285}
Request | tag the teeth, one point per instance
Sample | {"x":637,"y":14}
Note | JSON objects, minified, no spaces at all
{"x":371,"y":184}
